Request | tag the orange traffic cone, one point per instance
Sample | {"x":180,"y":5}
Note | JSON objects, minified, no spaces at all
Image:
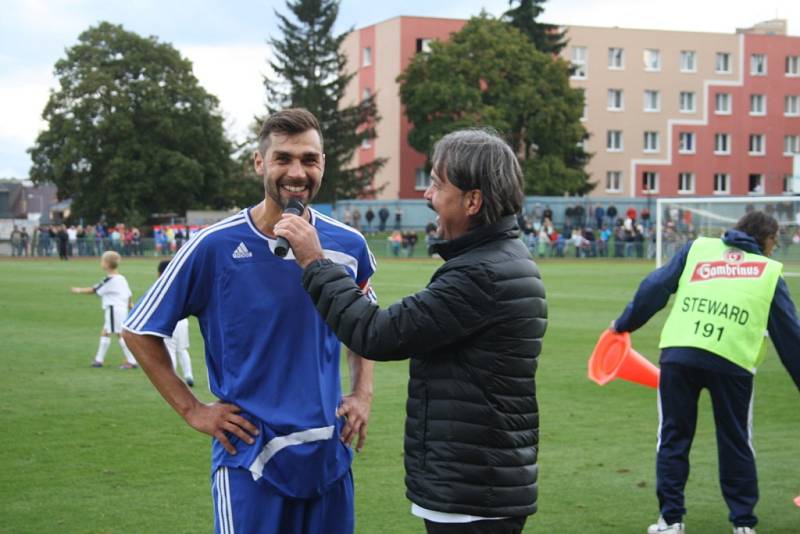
{"x":614,"y":357}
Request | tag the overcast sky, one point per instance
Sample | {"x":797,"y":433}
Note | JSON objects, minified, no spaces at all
{"x":226,"y":41}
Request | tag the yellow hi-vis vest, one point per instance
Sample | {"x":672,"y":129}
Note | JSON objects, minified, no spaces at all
{"x":722,"y":303}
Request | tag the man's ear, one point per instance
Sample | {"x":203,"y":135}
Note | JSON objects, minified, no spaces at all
{"x":473,"y":201}
{"x":258,"y":163}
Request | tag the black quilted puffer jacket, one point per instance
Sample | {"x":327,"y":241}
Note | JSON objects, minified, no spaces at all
{"x":474,"y":335}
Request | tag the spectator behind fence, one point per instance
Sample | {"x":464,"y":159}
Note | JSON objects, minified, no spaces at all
{"x":369,"y":217}
{"x":383,"y":216}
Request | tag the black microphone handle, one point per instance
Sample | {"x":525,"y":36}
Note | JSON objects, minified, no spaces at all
{"x":282,"y":245}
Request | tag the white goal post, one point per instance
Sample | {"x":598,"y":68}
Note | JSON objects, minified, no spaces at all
{"x":680,"y":219}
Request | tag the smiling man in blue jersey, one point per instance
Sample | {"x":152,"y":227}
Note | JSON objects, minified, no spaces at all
{"x":281,"y":428}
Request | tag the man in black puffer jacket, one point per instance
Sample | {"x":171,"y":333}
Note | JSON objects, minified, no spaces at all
{"x":473,"y":335}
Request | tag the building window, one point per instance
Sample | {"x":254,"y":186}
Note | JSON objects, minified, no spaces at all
{"x":793,"y":65}
{"x":757,"y":145}
{"x":686,"y":143}
{"x":579,"y":62}
{"x":688,"y":61}
{"x":758,"y":65}
{"x":755,"y":183}
{"x":423,"y":45}
{"x":758,"y":105}
{"x":652,"y":59}
{"x":723,"y":65}
{"x":423,"y":180}
{"x":651,"y":141}
{"x":723,"y":104}
{"x":613,"y":181}
{"x":791,"y":145}
{"x":616,"y":58}
{"x":366,"y":94}
{"x":366,"y":58}
{"x":652,"y":100}
{"x":722,"y":184}
{"x":615,"y":100}
{"x":649,"y":182}
{"x":614,"y":140}
{"x":722,"y":143}
{"x":791,"y":106}
{"x":686,"y":182}
{"x":788,"y":183}
{"x":687,"y":102}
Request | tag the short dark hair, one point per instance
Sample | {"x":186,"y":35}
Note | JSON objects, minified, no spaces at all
{"x":481,"y":159}
{"x":290,"y":121}
{"x":759,"y":226}
{"x":162,"y":266}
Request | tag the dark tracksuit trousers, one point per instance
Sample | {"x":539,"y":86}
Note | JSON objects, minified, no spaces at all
{"x":732,"y":401}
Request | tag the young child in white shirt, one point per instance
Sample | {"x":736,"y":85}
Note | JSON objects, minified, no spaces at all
{"x":115,"y":295}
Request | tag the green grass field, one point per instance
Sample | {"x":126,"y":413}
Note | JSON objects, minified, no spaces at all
{"x":97,"y":450}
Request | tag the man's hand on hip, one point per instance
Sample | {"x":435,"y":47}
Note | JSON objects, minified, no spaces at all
{"x":302,"y":237}
{"x":218,"y":418}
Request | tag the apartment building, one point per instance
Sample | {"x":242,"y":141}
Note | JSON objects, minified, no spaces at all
{"x":669,"y":113}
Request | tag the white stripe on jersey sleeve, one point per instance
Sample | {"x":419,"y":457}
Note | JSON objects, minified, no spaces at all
{"x":156,"y":293}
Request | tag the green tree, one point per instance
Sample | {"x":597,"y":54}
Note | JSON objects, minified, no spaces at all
{"x":546,"y":37}
{"x":310,"y":72}
{"x":130,"y":130}
{"x":489,"y":74}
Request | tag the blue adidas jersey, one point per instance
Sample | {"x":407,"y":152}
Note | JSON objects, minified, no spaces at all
{"x":267,"y":348}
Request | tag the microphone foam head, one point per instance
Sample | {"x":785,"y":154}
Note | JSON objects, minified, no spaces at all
{"x":294,"y":207}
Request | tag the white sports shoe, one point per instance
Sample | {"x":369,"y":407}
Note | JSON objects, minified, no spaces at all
{"x":744,"y":530}
{"x":661,"y":527}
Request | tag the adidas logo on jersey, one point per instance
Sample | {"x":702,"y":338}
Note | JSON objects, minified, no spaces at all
{"x":241,"y":252}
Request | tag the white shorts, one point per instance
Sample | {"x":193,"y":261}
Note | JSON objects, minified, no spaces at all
{"x":113,"y":317}
{"x":180,"y":336}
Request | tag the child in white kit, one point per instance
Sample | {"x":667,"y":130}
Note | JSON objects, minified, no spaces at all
{"x":115,"y":295}
{"x":178,"y":344}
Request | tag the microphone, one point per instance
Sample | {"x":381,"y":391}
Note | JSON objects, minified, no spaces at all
{"x":295,"y":207}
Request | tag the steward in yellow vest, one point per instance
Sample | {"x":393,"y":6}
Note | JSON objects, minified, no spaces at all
{"x":728,"y":295}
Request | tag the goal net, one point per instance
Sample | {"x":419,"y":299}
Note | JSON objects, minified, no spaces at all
{"x":679,"y":220}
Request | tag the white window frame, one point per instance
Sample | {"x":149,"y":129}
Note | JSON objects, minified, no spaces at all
{"x":728,"y":98}
{"x":616,"y":58}
{"x":653,"y":135}
{"x":611,"y":177}
{"x":366,"y":56}
{"x":792,"y":66}
{"x":691,"y":97}
{"x":616,"y":100}
{"x":788,"y":182}
{"x":650,"y":53}
{"x":691,"y":178}
{"x":760,"y":183}
{"x":657,"y":94}
{"x":688,"y":61}
{"x":725,"y":178}
{"x":787,"y":105}
{"x":760,"y":143}
{"x":758,"y":110}
{"x":426,"y":182}
{"x":614,"y":134}
{"x":727,"y":61}
{"x":758,"y":64}
{"x":791,"y":145}
{"x":652,"y":184}
{"x":726,"y":151}
{"x":687,"y":143}
{"x":580,"y":65}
